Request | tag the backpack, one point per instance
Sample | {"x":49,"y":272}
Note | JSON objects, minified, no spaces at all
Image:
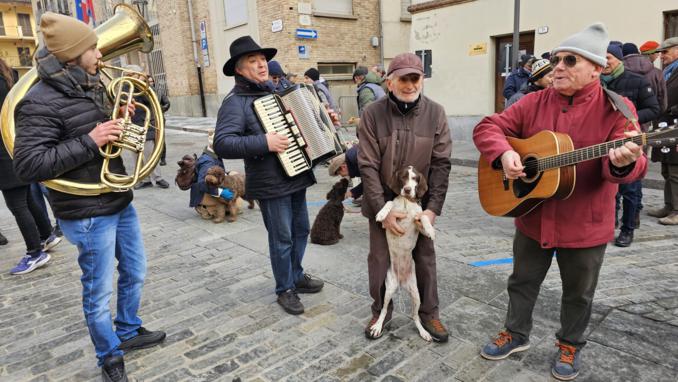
{"x":186,"y":174}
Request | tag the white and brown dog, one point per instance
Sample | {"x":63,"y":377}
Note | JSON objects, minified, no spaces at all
{"x":410,"y":185}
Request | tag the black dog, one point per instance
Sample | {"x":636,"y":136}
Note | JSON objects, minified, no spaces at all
{"x":325,"y":229}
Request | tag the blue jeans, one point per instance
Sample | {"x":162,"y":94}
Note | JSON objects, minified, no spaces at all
{"x":286,"y":220}
{"x":632,"y":196}
{"x":100,"y":241}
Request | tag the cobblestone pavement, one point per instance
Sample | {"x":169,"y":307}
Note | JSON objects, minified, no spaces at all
{"x":210,"y":287}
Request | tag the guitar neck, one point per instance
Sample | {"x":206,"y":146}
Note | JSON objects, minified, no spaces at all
{"x":587,"y":153}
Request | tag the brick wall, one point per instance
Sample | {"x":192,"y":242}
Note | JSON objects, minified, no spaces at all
{"x":339,"y":39}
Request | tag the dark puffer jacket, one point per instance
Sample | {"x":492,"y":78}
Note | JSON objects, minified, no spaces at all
{"x":8,"y":179}
{"x":636,"y":88}
{"x":239,"y":135}
{"x":641,"y":64}
{"x":52,"y":123}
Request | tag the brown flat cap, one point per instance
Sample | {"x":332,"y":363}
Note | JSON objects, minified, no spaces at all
{"x":405,"y":63}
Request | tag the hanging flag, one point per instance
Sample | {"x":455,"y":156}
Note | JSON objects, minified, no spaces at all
{"x":85,"y":11}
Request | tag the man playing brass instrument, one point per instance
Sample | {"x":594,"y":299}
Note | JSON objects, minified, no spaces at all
{"x":61,"y":124}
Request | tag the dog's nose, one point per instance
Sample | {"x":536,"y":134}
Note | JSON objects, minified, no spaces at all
{"x":407,"y":190}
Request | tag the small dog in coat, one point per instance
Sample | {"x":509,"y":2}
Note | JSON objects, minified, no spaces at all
{"x":216,"y":177}
{"x":410,"y":186}
{"x":325,"y":230}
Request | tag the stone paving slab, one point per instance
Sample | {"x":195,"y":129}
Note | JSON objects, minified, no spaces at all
{"x":210,"y":287}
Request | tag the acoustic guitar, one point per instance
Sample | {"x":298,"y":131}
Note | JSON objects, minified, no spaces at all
{"x":549,"y":159}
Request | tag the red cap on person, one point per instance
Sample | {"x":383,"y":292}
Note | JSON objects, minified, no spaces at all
{"x":649,"y":47}
{"x":405,"y":63}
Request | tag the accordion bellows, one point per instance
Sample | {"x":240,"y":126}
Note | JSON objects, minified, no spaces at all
{"x":298,"y":113}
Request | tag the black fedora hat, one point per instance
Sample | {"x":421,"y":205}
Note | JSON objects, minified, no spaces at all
{"x":242,"y":46}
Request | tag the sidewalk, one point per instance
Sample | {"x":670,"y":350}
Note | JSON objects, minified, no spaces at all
{"x":464,"y":153}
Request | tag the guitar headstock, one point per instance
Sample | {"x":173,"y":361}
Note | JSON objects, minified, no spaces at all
{"x":663,"y":136}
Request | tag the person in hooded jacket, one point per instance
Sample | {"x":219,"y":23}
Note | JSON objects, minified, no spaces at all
{"x":540,"y":79}
{"x":636,"y":88}
{"x":312,"y":77}
{"x":277,"y":76}
{"x":641,"y":64}
{"x":368,"y":87}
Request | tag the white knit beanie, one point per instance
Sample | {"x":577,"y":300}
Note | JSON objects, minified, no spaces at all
{"x":591,"y":43}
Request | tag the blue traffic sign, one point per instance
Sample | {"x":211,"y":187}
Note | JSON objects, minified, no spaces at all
{"x":307,"y":33}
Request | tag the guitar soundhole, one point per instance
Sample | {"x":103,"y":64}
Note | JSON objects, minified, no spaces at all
{"x":523,"y":186}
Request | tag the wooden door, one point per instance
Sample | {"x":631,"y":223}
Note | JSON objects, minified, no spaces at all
{"x":503,"y":65}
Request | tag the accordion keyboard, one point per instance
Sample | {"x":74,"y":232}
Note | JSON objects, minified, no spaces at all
{"x":275,"y":118}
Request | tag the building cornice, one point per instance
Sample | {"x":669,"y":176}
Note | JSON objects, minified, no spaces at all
{"x":434,"y":4}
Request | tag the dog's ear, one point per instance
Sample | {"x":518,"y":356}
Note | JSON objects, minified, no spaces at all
{"x":422,"y":185}
{"x":396,"y":183}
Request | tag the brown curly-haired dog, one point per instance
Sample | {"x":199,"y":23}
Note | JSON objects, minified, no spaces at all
{"x":216,"y":177}
{"x":325,"y":230}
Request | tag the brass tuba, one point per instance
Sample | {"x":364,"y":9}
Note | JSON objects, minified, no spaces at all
{"x":126,"y":31}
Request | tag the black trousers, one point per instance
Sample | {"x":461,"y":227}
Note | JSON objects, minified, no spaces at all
{"x":32,"y":220}
{"x":579,"y":270}
{"x":670,"y":175}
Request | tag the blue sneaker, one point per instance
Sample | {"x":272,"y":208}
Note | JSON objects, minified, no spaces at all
{"x":52,"y":241}
{"x":567,"y":363}
{"x":503,"y":346}
{"x":29,"y":263}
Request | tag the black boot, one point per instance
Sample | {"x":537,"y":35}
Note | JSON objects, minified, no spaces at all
{"x":308,"y":285}
{"x":144,"y":339}
{"x":3,"y":239}
{"x":624,"y":239}
{"x":114,"y":369}
{"x":290,"y":302}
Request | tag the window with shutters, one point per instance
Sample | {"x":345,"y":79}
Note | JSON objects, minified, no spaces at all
{"x":236,"y":12}
{"x":25,"y":24}
{"x":333,"y":7}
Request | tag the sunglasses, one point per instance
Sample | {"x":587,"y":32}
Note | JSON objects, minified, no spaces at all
{"x":569,"y":60}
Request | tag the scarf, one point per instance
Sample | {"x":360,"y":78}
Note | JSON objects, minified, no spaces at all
{"x":668,"y":71}
{"x":72,"y":80}
{"x":245,"y":85}
{"x":607,"y":78}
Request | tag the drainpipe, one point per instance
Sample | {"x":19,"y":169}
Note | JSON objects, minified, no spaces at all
{"x":198,"y":66}
{"x":381,"y":34}
{"x":516,"y":33}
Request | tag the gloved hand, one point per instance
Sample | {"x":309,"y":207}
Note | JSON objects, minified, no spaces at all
{"x":226,"y":193}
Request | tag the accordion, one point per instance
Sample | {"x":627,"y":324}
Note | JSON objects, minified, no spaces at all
{"x":298,"y":114}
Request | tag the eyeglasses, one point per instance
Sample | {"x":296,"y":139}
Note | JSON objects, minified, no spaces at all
{"x":569,"y":60}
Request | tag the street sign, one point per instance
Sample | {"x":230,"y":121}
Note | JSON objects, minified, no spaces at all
{"x":276,"y":25}
{"x":307,"y":33}
{"x":303,"y":51}
{"x":203,"y":43}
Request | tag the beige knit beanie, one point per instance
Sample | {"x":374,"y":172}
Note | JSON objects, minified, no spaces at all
{"x":66,"y":37}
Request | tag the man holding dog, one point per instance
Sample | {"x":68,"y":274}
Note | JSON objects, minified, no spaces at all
{"x":405,"y":128}
{"x":239,"y":135}
{"x":578,"y":228}
{"x":61,"y":124}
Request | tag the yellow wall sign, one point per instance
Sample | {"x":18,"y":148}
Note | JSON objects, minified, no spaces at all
{"x":477,"y":49}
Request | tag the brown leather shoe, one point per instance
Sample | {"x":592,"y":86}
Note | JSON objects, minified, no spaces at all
{"x":436,"y":330}
{"x":670,"y":220}
{"x":385,"y":327}
{"x":659,"y":212}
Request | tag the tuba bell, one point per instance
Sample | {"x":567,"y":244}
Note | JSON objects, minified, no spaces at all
{"x":125,"y":32}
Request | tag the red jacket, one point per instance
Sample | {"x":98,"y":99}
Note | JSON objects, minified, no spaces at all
{"x":586,"y":218}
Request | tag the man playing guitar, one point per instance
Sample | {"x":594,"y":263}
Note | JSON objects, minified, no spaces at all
{"x":576,"y":228}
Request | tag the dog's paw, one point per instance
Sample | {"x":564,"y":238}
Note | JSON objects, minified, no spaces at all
{"x":375,"y":330}
{"x":425,"y":335}
{"x":430,"y":233}
{"x":384,"y":211}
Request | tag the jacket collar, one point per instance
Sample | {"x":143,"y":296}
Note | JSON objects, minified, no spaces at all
{"x":415,"y":110}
